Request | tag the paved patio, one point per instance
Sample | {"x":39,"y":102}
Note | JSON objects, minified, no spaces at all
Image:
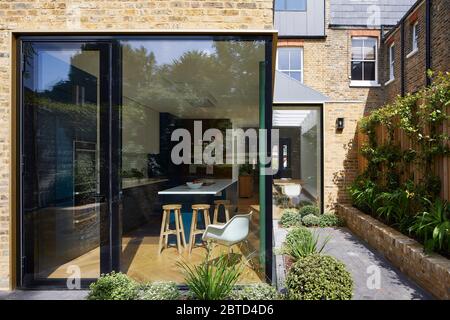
{"x":358,"y":257}
{"x":349,"y":249}
{"x":44,"y":295}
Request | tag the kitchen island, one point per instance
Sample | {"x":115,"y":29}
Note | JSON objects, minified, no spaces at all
{"x":213,"y":188}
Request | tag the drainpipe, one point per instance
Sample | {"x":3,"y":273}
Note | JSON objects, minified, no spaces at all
{"x":402,"y":58}
{"x":428,"y":40}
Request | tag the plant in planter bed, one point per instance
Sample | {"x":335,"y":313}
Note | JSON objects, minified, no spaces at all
{"x":303,"y":203}
{"x":113,"y":286}
{"x":159,"y":290}
{"x":213,"y":278}
{"x":309,"y":209}
{"x":297,"y":234}
{"x":300,"y":243}
{"x":433,"y":227}
{"x":311,"y":220}
{"x":319,"y":277}
{"x":290,"y":218}
{"x":260,"y":291}
{"x":330,"y":220}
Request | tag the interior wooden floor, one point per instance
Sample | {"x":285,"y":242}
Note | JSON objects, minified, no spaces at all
{"x":141,"y":261}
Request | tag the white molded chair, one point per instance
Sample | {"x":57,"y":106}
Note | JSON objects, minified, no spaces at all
{"x":234,"y":231}
{"x":293,"y":192}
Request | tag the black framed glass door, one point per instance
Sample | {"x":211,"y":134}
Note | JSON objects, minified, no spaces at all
{"x":96,"y":116}
{"x":65,"y":144}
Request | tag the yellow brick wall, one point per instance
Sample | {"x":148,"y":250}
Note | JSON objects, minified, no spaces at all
{"x":73,"y":15}
{"x":327,"y":69}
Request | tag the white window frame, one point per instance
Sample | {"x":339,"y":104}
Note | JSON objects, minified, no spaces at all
{"x":391,"y":62}
{"x":366,"y":83}
{"x":292,"y":70}
{"x":414,"y":39}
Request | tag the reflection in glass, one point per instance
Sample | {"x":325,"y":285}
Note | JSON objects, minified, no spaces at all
{"x":357,"y":71}
{"x":61,"y":160}
{"x":167,"y":85}
{"x":300,"y":159}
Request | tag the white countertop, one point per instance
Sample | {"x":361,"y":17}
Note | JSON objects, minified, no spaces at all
{"x":218,"y":186}
{"x":128,"y":183}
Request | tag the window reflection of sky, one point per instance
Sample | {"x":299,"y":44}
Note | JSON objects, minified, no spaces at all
{"x":166,"y":51}
{"x":54,"y":67}
{"x":57,"y":63}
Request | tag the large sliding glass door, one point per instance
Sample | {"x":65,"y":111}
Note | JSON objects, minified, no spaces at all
{"x":97,"y":125}
{"x":64,"y":160}
{"x":202,"y":88}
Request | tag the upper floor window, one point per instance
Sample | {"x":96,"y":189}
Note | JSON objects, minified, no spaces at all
{"x":364,"y":61}
{"x":415,"y":36}
{"x":290,"y":62}
{"x":391,"y":61}
{"x":290,"y":5}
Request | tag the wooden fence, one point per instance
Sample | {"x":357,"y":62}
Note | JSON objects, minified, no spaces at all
{"x":441,"y":165}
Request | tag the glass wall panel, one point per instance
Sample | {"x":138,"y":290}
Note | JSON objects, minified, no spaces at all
{"x":197,"y":88}
{"x":61,"y":160}
{"x":298,"y":157}
{"x":185,"y":112}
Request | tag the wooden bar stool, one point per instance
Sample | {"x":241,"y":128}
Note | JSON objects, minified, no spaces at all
{"x":226,"y":206}
{"x":165,"y":227}
{"x":196,"y":209}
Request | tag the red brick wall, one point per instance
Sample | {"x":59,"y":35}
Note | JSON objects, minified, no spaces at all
{"x":440,"y":35}
{"x":415,"y":64}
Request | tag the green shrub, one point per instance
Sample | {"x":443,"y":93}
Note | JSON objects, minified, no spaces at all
{"x":311,"y":220}
{"x":159,"y":291}
{"x":260,"y":291}
{"x":364,"y":194}
{"x":301,"y":242}
{"x":330,"y":220}
{"x":113,"y":286}
{"x":304,"y":203}
{"x":319,"y":277}
{"x":433,"y":226}
{"x":299,"y":233}
{"x":290,"y":218}
{"x":309,"y":209}
{"x":212,"y":279}
{"x":282,"y":200}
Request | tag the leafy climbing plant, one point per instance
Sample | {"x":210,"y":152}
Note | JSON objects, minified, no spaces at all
{"x":413,"y":206}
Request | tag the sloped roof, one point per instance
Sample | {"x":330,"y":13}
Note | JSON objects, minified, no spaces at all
{"x":289,"y":90}
{"x":359,"y":12}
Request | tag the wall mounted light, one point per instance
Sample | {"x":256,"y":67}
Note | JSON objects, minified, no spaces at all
{"x":340,"y":124}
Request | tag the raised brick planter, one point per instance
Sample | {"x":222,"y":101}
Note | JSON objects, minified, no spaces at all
{"x":431,"y":271}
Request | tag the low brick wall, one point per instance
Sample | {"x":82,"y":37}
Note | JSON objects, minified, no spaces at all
{"x":431,"y":271}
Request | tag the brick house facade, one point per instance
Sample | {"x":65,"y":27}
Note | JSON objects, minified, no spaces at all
{"x":415,"y":65}
{"x":327,"y":69}
{"x":82,"y":15}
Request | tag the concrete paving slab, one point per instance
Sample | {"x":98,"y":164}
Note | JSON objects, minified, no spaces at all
{"x":363,"y":263}
{"x":44,"y":295}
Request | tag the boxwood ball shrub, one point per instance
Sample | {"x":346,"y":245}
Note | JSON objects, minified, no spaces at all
{"x":319,"y":277}
{"x":309,"y":209}
{"x":330,"y":220}
{"x":303,"y":203}
{"x":311,"y":220}
{"x":290,"y":218}
{"x":113,"y":286}
{"x":260,"y":291}
{"x":159,"y":290}
{"x":299,"y":233}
